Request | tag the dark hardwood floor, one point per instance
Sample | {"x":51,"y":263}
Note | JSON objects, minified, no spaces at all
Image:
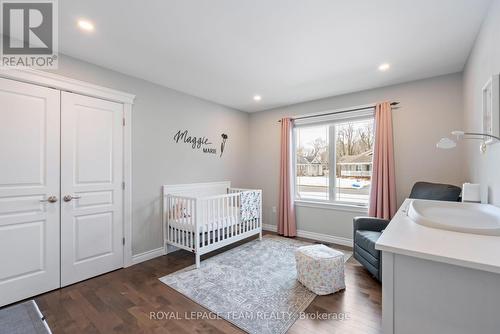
{"x":121,"y":301}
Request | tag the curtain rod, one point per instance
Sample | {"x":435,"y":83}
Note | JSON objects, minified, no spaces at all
{"x":340,"y":111}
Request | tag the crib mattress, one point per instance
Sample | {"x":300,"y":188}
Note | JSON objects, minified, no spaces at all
{"x":208,"y":226}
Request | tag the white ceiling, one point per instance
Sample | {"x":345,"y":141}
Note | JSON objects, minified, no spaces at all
{"x":287,"y":51}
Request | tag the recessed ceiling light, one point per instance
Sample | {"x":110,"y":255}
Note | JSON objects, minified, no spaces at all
{"x":86,"y":25}
{"x":257,"y":98}
{"x":384,"y":67}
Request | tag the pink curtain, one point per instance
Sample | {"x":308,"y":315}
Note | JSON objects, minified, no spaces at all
{"x":383,"y":188}
{"x":286,"y":210}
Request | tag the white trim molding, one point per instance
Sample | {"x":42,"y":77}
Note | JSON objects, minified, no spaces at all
{"x":332,"y":206}
{"x":270,"y":228}
{"x":52,"y":80}
{"x":127,"y":184}
{"x":148,"y":255}
{"x":315,"y":236}
{"x":325,"y":238}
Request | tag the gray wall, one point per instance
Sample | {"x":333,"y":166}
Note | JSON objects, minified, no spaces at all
{"x":483,"y":62}
{"x":157,"y":114}
{"x":429,"y":110}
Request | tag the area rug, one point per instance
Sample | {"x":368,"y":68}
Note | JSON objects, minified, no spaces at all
{"x":23,"y":318}
{"x":253,"y":286}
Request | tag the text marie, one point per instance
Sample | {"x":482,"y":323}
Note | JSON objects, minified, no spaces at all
{"x":195,"y":142}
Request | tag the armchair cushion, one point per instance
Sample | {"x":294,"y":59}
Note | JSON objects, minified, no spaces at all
{"x":366,"y":240}
{"x":367,"y":257}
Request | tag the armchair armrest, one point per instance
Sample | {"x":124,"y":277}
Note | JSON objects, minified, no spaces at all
{"x":369,"y":224}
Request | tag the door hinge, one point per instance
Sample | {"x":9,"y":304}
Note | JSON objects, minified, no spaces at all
{"x":123,"y":241}
{"x":123,"y":185}
{"x":123,"y":119}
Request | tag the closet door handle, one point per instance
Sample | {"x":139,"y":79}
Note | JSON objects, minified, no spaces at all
{"x":68,"y":198}
{"x":50,"y":199}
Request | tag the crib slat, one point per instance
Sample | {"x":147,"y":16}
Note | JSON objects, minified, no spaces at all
{"x":224,"y":217}
{"x":230,"y":227}
{"x":193,"y":221}
{"x":237,"y":214}
{"x":219,"y":218}
{"x":184,"y":222}
{"x":171,"y":213}
{"x":212,"y":236}
{"x":212,"y":208}
{"x":191,"y":216}
{"x":234,"y":216}
{"x":233,"y":222}
{"x":220,"y":225}
{"x":202,"y":217}
{"x":175,"y":218}
{"x":209,"y":222}
{"x":194,"y":215}
{"x":227,"y":217}
{"x":206,"y":219}
{"x":169,"y":209}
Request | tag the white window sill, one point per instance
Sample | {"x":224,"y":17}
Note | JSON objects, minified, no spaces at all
{"x":332,"y":206}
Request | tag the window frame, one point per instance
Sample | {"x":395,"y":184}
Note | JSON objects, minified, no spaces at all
{"x":330,"y":119}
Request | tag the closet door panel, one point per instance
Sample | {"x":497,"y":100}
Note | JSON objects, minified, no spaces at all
{"x":91,"y":175}
{"x":29,"y":176}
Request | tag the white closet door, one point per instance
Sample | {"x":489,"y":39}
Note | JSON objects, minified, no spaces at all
{"x":91,"y":187}
{"x":29,"y":176}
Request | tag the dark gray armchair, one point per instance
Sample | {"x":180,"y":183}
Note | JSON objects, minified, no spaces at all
{"x":436,"y":191}
{"x":367,"y":230}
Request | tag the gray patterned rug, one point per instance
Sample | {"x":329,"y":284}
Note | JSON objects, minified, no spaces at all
{"x":253,"y":286}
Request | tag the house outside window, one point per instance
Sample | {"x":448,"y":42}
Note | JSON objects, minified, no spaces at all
{"x":344,"y":141}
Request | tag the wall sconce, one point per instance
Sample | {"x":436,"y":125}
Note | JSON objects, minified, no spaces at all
{"x":447,"y":143}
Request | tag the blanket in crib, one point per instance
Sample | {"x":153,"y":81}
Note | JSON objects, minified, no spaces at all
{"x":250,"y":205}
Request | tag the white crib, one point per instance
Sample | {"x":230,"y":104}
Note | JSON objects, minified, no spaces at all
{"x":202,"y":217}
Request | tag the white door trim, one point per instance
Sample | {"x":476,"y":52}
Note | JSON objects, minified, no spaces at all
{"x":57,"y":81}
{"x":46,"y":79}
{"x":127,"y":178}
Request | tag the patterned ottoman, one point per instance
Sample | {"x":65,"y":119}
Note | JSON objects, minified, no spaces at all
{"x":320,"y":269}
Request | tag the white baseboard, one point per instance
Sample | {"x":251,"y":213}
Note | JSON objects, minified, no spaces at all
{"x":138,"y":258}
{"x":325,"y":238}
{"x":269,"y":227}
{"x":315,"y":236}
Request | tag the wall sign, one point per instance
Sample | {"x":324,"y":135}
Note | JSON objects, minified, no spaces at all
{"x":203,"y":144}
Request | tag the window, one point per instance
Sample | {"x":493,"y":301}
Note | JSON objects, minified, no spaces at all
{"x":344,"y":142}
